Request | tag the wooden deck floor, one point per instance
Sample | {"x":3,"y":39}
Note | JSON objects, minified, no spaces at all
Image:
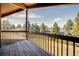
{"x":22,"y":48}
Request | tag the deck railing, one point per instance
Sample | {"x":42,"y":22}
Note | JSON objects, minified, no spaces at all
{"x":52,"y":43}
{"x":9,"y":37}
{"x":56,"y":44}
{"x":13,"y":35}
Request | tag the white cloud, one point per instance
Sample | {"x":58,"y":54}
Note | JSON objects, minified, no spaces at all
{"x":57,"y":19}
{"x":32,"y":15}
{"x":22,"y":15}
{"x":18,"y":15}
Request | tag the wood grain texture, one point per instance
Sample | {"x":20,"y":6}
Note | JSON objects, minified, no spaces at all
{"x":22,"y":48}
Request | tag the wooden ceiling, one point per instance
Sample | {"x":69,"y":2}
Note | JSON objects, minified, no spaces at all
{"x":10,"y":8}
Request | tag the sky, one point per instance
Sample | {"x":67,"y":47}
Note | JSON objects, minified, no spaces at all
{"x":48,"y":15}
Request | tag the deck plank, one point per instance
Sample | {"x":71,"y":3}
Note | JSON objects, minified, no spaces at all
{"x":5,"y":51}
{"x":27,"y":50}
{"x":12,"y":50}
{"x":22,"y":48}
{"x":37,"y":49}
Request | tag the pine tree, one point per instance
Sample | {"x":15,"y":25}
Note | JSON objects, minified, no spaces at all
{"x":28,"y":25}
{"x":24,"y":27}
{"x":19,"y":26}
{"x":55,"y":28}
{"x":67,"y":27}
{"x":37,"y":29}
{"x":75,"y":27}
{"x":13,"y":26}
{"x":32,"y":28}
{"x":42,"y":27}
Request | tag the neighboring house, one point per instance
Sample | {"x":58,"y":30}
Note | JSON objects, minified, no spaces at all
{"x":48,"y":29}
{"x":61,"y":31}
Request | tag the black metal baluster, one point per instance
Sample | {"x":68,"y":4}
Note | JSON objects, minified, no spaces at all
{"x":54,"y":46}
{"x":61,"y":47}
{"x":73,"y":48}
{"x":57,"y":47}
{"x":67,"y":47}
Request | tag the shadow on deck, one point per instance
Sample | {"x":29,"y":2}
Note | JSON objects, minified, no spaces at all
{"x":22,"y":48}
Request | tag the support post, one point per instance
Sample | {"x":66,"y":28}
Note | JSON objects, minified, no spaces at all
{"x":27,"y":24}
{"x":0,"y":25}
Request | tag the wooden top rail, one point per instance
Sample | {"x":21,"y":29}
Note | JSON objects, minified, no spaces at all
{"x":14,"y":31}
{"x":63,"y":37}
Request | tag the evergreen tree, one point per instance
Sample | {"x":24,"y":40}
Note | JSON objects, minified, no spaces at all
{"x":55,"y":28}
{"x":75,"y":27}
{"x":67,"y":27}
{"x":13,"y":26}
{"x":32,"y":28}
{"x":19,"y":26}
{"x":24,"y":27}
{"x":42,"y":27}
{"x":37,"y":29}
{"x":28,"y":25}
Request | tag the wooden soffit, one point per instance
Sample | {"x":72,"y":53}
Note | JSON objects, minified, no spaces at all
{"x":10,"y":8}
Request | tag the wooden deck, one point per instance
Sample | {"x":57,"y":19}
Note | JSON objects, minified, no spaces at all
{"x":22,"y":48}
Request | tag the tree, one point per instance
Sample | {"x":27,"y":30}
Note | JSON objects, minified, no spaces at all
{"x":37,"y":29}
{"x":5,"y":25}
{"x":24,"y":27}
{"x":19,"y":26}
{"x":32,"y":27}
{"x":67,"y":27}
{"x":42,"y":27}
{"x":75,"y":27}
{"x":13,"y":26}
{"x":28,"y":25}
{"x":55,"y":28}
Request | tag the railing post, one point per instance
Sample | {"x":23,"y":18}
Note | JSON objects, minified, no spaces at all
{"x":0,"y":25}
